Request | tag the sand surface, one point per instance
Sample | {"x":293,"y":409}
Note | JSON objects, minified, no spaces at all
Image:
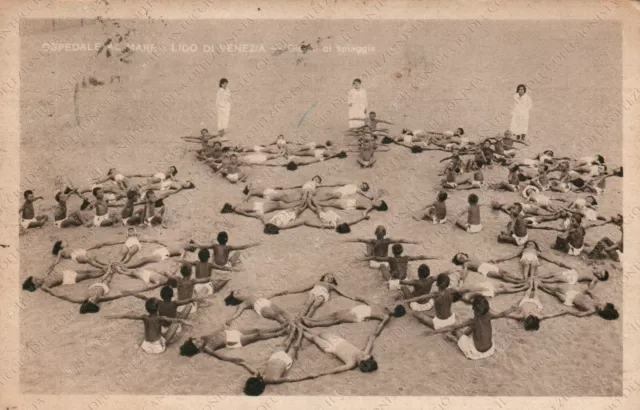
{"x":67,"y":353}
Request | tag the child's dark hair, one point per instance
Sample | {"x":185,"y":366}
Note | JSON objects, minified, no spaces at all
{"x":271,"y":229}
{"x":397,"y":249}
{"x":416,"y":149}
{"x":387,"y":140}
{"x":95,"y":190}
{"x":399,"y":311}
{"x":368,"y":366}
{"x":85,"y":204}
{"x":57,"y":197}
{"x":175,"y":170}
{"x":189,"y":349}
{"x":383,"y":207}
{"x":204,"y":255}
{"x":28,"y":285}
{"x":343,"y":228}
{"x":600,"y":159}
{"x":166,"y":293}
{"x":473,"y":199}
{"x":534,"y":244}
{"x":605,"y":277}
{"x":254,"y":386}
{"x":480,"y":305}
{"x":456,"y":260}
{"x":292,"y":166}
{"x":442,"y":196}
{"x":226,"y":208}
{"x":365,"y":187}
{"x":319,"y":178}
{"x":424,"y":271}
{"x":380,"y":230}
{"x":27,"y":193}
{"x":57,"y":247}
{"x":151,"y":305}
{"x":89,"y":307}
{"x":609,"y":312}
{"x":232,"y":300}
{"x":443,"y":281}
{"x":185,"y":270}
{"x":223,"y":238}
{"x":461,"y":131}
{"x":531,"y":323}
{"x":334,"y":281}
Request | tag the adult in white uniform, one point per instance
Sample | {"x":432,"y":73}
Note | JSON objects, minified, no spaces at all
{"x":223,"y":104}
{"x":520,"y":113}
{"x":357,"y":104}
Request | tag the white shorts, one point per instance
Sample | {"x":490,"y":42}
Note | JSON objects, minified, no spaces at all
{"x":570,"y":276}
{"x":320,"y":291}
{"x":233,"y":177}
{"x":465,"y":343}
{"x":440,"y":323}
{"x":25,"y":222}
{"x":255,"y":158}
{"x":283,"y":218}
{"x":282,"y":356}
{"x":533,"y":301}
{"x":203,"y":289}
{"x":619,"y":255}
{"x":233,"y":339}
{"x":145,"y":275}
{"x":349,"y":204}
{"x":477,"y":184}
{"x":591,"y":215}
{"x":97,"y":220}
{"x":77,"y":253}
{"x":377,"y":264}
{"x":487,"y":289}
{"x":437,"y":221}
{"x":394,"y":284}
{"x":258,"y":207}
{"x":157,"y":347}
{"x":165,"y":329}
{"x":520,"y":240}
{"x":474,"y":228}
{"x":450,"y":185}
{"x":69,"y":277}
{"x":485,"y":268}
{"x":257,"y":148}
{"x":421,"y":307}
{"x":318,"y":153}
{"x":109,"y":197}
{"x":362,"y":312}
{"x":261,"y":304}
{"x":160,"y":175}
{"x":100,"y":285}
{"x":568,"y":300}
{"x":125,"y":221}
{"x":163,"y":253}
{"x":58,"y":224}
{"x":574,"y":251}
{"x":118,"y":177}
{"x":132,"y":241}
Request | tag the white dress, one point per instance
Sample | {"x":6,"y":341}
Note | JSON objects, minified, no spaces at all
{"x":223,"y":104}
{"x":520,"y":114}
{"x":358,"y":105}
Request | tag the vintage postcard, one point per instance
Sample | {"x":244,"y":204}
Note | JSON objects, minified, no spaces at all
{"x":319,"y":204}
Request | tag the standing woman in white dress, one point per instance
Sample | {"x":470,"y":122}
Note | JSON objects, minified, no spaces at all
{"x":223,"y":102}
{"x":520,"y":113}
{"x":357,"y":104}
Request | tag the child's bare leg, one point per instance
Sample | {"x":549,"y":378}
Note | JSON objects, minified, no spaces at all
{"x":424,"y":319}
{"x":386,"y":274}
{"x":316,"y":304}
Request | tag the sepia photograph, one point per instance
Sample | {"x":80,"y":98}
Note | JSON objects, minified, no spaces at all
{"x":319,"y":206}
